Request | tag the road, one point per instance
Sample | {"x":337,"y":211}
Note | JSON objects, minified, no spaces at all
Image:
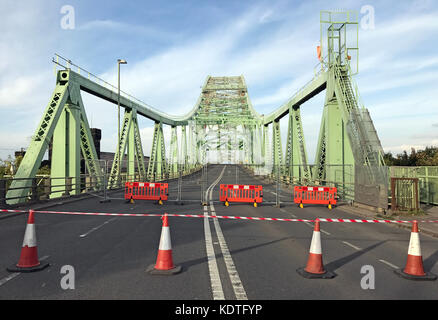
{"x":221,"y":258}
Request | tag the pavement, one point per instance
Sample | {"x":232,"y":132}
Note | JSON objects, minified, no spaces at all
{"x":220,"y":258}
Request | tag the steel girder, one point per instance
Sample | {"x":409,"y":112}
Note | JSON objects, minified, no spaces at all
{"x":173,"y":155}
{"x":157,"y":162}
{"x":130,"y":144}
{"x":65,"y":120}
{"x":277,"y":152}
{"x":296,"y":164}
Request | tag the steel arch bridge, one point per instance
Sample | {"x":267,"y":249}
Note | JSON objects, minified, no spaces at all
{"x":223,"y":119}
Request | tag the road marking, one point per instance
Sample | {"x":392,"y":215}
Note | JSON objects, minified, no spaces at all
{"x":351,"y":245}
{"x":238,"y":288}
{"x":312,"y":226}
{"x":216,"y":285}
{"x":15,"y":274}
{"x":236,"y":283}
{"x":215,"y":280}
{"x":96,"y":228}
{"x":389,"y":264}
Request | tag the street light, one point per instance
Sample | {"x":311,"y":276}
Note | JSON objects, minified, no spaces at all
{"x":119,"y":62}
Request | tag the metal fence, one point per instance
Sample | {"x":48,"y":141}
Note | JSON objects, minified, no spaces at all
{"x":427,"y":181}
{"x":190,"y":182}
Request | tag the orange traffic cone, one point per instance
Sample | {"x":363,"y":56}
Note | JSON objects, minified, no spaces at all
{"x":414,"y":266}
{"x":29,"y":252}
{"x":164,"y":264}
{"x":315,"y":267}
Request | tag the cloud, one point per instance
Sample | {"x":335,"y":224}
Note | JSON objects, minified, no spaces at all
{"x":273,"y":46}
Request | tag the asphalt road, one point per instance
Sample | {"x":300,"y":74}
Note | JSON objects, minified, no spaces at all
{"x":221,"y":259}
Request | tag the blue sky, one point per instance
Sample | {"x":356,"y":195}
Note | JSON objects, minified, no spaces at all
{"x":171,"y":47}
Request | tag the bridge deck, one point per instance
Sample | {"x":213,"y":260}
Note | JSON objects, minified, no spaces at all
{"x":110,"y":254}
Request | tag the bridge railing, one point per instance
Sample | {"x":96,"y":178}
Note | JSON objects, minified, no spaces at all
{"x":45,"y":187}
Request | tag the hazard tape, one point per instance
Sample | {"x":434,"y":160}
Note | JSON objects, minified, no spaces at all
{"x":224,"y":217}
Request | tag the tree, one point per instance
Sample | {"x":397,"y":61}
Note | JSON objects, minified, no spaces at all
{"x":427,"y":157}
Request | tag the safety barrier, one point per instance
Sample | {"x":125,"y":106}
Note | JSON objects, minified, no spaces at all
{"x":315,"y":195}
{"x":241,"y":193}
{"x":146,"y":191}
{"x":203,"y":216}
{"x":29,"y":261}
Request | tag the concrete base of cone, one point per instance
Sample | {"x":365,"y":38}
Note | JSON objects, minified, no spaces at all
{"x":308,"y":275}
{"x":427,"y":277}
{"x":39,"y":267}
{"x":151,"y":270}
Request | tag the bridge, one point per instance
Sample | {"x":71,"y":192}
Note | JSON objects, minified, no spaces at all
{"x":222,"y":122}
{"x":234,"y":251}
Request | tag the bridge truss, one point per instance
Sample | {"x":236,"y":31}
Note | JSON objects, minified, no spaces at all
{"x":222,"y":127}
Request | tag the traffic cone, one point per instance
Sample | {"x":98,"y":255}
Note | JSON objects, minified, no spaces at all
{"x":414,"y":266}
{"x":164,"y":264}
{"x":29,"y":252}
{"x":315,"y":267}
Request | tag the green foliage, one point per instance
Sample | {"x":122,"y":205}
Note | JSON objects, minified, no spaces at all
{"x":44,"y":170}
{"x":427,"y":157}
{"x":5,"y":166}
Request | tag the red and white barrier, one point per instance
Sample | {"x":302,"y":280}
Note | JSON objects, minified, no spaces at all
{"x":224,"y":217}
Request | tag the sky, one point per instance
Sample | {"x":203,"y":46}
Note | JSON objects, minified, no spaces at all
{"x":172,"y":46}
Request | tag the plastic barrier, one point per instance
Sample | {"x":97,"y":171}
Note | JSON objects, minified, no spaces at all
{"x":146,"y":191}
{"x":315,"y":195}
{"x":241,"y":193}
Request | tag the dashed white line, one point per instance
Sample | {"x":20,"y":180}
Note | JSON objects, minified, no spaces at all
{"x":351,"y":245}
{"x":15,"y":274}
{"x":96,"y":228}
{"x":389,"y":264}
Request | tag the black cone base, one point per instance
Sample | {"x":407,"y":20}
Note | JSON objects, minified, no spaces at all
{"x":308,"y":275}
{"x":428,"y":277}
{"x":39,"y":267}
{"x":151,"y":270}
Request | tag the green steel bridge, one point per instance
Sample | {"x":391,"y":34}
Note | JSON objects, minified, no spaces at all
{"x":222,"y":120}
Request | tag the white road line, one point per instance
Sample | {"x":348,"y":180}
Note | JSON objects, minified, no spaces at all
{"x":95,"y":228}
{"x":351,"y":245}
{"x":9,"y":277}
{"x":15,"y":274}
{"x":238,"y":288}
{"x":216,"y":285}
{"x":312,"y":226}
{"x":389,"y":264}
{"x":236,"y":283}
{"x":215,"y":280}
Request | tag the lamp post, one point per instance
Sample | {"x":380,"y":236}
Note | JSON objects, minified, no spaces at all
{"x":119,"y":62}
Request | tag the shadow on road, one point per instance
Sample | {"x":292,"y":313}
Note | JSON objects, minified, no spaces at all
{"x":334,"y":265}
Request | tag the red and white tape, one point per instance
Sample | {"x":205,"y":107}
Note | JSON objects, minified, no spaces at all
{"x":223,"y":217}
